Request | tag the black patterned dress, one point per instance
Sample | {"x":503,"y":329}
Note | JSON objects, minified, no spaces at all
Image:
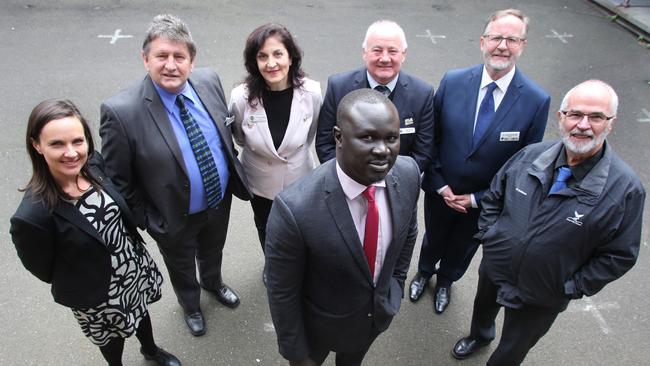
{"x":135,"y":279}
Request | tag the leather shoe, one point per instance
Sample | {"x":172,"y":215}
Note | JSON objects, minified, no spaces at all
{"x":227,"y":296}
{"x":418,"y":285}
{"x":195,"y":323}
{"x":465,"y":347}
{"x":442,"y":297}
{"x":162,"y":358}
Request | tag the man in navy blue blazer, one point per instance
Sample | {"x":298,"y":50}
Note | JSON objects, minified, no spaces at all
{"x":384,"y":51}
{"x":484,"y":114}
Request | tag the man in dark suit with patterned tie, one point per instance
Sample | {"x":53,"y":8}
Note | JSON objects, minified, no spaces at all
{"x":484,"y":114}
{"x":169,"y":151}
{"x":339,"y":241}
{"x":384,"y":51}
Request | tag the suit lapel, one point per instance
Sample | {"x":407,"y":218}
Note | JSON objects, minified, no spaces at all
{"x":400,"y":96}
{"x":72,"y":215}
{"x":472,"y":85}
{"x":296,"y":119}
{"x":161,"y":120}
{"x":398,"y":214}
{"x":340,"y":212}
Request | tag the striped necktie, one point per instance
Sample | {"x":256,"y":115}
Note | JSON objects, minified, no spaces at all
{"x":202,"y":154}
{"x":383,"y":89}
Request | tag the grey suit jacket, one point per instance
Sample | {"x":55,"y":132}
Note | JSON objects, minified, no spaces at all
{"x":318,"y":281}
{"x":144,"y":159}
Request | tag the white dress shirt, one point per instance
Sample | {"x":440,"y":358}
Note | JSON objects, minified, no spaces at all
{"x":358,"y":206}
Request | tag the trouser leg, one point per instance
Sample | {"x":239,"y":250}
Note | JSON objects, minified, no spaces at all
{"x":485,"y":310}
{"x":261,"y":210}
{"x":211,"y":241}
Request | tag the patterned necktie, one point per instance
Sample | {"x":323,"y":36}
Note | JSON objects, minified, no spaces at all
{"x":372,"y":229}
{"x":485,"y":114}
{"x":202,"y":154}
{"x":383,"y":89}
{"x":563,"y":174}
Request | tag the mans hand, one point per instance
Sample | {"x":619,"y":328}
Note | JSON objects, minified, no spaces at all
{"x":457,"y":203}
{"x":306,"y":362}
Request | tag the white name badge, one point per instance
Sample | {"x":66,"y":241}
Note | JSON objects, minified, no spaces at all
{"x":406,"y":130}
{"x":509,"y":136}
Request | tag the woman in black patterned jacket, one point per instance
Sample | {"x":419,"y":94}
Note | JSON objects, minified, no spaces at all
{"x":73,"y":230}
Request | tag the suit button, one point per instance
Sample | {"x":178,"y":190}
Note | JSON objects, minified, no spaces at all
{"x":369,"y":315}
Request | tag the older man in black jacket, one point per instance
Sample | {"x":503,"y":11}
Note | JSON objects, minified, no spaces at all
{"x":560,"y":221}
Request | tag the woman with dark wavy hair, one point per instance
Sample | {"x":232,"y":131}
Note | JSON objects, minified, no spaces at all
{"x":74,"y":231}
{"x":275,"y":115}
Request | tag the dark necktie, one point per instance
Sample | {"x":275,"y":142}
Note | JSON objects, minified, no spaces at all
{"x":372,"y":229}
{"x":485,"y":114}
{"x":202,"y":154}
{"x":383,"y":89}
{"x":563,"y":174}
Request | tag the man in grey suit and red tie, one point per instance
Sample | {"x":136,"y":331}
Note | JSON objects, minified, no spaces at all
{"x":484,"y":114}
{"x":384,"y":51}
{"x":168,"y":150}
{"x":340,"y":240}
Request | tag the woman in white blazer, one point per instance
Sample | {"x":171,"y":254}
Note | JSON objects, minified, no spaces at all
{"x":275,"y":114}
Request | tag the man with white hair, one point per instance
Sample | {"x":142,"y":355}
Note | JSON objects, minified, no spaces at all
{"x":383,"y":51}
{"x":560,"y":221}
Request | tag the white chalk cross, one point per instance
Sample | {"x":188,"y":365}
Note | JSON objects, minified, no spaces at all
{"x":647,"y":116}
{"x":562,"y":37}
{"x":115,"y":36}
{"x":432,"y":37}
{"x":594,"y":309}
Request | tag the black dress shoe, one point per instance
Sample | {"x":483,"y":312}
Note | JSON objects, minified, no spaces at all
{"x":227,"y":296}
{"x":195,"y":323}
{"x":162,"y":358}
{"x":441,"y":301}
{"x":465,"y":347}
{"x":418,"y":285}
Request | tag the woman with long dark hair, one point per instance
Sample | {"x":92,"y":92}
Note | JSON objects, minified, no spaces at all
{"x":74,"y":231}
{"x":275,"y":115}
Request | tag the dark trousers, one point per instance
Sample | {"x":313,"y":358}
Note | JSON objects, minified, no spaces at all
{"x":447,"y":239}
{"x":522,"y":327}
{"x":112,"y":351}
{"x":261,"y":210}
{"x":200,"y":243}
{"x":319,"y":354}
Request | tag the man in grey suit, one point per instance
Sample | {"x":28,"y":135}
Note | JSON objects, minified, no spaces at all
{"x":339,"y":241}
{"x":170,"y":153}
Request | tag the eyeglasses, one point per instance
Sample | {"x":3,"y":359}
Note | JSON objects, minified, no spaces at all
{"x":594,"y":118}
{"x":510,"y":41}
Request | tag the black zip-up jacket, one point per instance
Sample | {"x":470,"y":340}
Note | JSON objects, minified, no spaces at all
{"x":545,"y":250}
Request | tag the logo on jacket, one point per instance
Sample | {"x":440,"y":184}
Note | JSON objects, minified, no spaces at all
{"x":575,"y":219}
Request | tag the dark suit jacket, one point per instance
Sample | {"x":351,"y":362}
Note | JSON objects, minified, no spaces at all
{"x":412,"y":97}
{"x":62,"y":248}
{"x":318,"y":281}
{"x":468,"y":169}
{"x":143,"y":157}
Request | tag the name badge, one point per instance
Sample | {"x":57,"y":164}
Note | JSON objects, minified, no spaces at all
{"x":406,"y":130}
{"x":408,"y":121}
{"x":229,"y":120}
{"x":509,"y":136}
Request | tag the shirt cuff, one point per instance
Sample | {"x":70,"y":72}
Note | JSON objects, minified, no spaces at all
{"x":439,"y":190}
{"x":473,"y":199}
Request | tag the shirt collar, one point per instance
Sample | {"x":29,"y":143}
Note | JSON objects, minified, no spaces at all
{"x":581,"y":170}
{"x":502,"y":83}
{"x":352,"y":188}
{"x":373,"y":83}
{"x":169,"y":99}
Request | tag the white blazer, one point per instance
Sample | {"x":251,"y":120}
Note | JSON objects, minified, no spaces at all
{"x":270,"y":171}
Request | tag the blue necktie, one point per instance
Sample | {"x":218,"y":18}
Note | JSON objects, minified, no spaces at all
{"x":202,"y":154}
{"x":563,"y":174}
{"x":383,"y":89}
{"x":485,"y":114}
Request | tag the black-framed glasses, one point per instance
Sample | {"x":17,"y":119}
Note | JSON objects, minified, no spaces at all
{"x":495,"y":40}
{"x":594,"y":118}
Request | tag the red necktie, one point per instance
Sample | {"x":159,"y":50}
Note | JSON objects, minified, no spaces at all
{"x":372,"y":229}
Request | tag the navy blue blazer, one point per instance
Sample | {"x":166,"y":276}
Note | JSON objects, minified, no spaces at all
{"x":412,"y":97}
{"x":468,"y":169}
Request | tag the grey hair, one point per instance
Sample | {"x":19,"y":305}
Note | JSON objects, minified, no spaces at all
{"x":502,"y":13}
{"x":170,"y":27}
{"x":388,"y":24}
{"x":613,"y":101}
